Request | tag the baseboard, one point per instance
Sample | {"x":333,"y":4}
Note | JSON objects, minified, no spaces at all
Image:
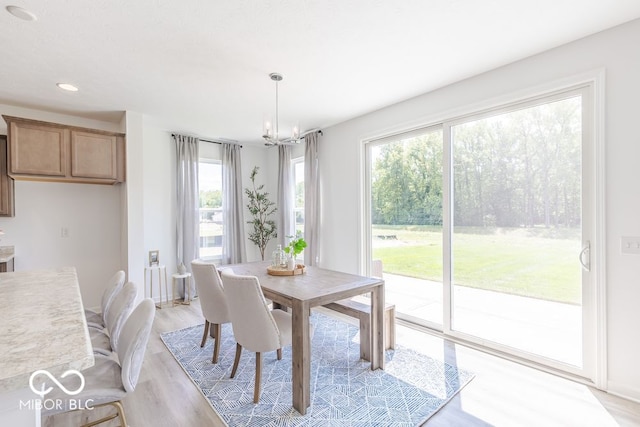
{"x":624,"y":391}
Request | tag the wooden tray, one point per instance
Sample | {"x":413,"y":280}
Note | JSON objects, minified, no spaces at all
{"x":278,"y":271}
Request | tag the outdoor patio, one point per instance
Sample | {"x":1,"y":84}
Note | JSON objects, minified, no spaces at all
{"x":547,"y":328}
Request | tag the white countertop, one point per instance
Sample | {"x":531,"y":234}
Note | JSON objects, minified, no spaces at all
{"x":42,"y":325}
{"x":6,"y":253}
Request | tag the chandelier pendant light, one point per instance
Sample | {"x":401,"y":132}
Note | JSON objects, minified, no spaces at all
{"x":271,"y":136}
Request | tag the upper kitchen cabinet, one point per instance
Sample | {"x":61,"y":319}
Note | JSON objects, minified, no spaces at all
{"x":44,"y":151}
{"x":6,"y":183}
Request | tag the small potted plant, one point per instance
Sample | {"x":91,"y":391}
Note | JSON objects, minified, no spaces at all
{"x":293,"y":249}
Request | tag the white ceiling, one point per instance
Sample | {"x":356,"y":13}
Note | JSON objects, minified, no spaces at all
{"x":201,"y":66}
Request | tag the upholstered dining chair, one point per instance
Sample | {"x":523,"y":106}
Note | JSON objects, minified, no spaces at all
{"x":213,"y":302}
{"x":105,"y":341}
{"x":114,"y":285}
{"x":255,"y":327}
{"x":107,"y":382}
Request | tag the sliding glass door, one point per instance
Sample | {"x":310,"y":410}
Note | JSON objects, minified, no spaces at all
{"x":517,"y":228}
{"x":481,"y":228}
{"x":406,"y":222}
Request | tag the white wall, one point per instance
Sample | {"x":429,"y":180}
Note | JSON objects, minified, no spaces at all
{"x":133,"y":254}
{"x":90,"y":212}
{"x":616,"y":50}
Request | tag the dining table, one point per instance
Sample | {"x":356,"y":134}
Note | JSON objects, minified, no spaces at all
{"x":314,"y":288}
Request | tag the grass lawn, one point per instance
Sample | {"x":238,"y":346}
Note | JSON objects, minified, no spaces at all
{"x":539,"y":263}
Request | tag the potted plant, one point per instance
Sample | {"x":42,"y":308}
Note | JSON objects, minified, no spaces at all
{"x":293,"y":249}
{"x":261,"y":208}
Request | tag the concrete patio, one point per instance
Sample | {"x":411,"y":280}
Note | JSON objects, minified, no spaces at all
{"x":546,"y":328}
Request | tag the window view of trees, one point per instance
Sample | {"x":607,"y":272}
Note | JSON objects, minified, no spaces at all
{"x":520,"y":169}
{"x":406,"y":182}
{"x":516,"y":178}
{"x":210,"y":198}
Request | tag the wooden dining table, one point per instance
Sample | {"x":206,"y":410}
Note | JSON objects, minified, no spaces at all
{"x":314,"y":288}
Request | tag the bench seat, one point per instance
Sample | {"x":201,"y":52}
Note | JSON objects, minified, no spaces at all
{"x":362,"y":312}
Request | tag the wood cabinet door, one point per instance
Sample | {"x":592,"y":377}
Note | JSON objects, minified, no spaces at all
{"x":93,"y":155}
{"x":38,"y":150}
{"x":6,"y":182}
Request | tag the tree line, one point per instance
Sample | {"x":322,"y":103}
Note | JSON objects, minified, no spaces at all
{"x":518,"y":169}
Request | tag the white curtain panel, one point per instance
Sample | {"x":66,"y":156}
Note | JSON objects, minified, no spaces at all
{"x":286,"y":195}
{"x":311,"y":199}
{"x":233,"y":245}
{"x":188,"y":218}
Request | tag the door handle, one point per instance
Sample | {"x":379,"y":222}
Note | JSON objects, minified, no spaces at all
{"x":585,"y":253}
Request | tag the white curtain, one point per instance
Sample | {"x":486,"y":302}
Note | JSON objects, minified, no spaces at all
{"x":233,"y":247}
{"x":286,"y":196}
{"x":311,"y":199}
{"x":188,"y":218}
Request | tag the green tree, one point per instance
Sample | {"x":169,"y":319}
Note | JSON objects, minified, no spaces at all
{"x":210,"y":199}
{"x":521,"y":168}
{"x":407,"y":182}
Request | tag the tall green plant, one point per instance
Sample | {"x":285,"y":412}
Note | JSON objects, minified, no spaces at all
{"x":260,"y":208}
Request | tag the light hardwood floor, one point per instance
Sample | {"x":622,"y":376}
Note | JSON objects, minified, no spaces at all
{"x":503,"y":393}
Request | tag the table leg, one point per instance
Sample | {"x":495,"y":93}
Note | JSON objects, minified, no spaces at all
{"x":166,"y":285}
{"x":145,"y":285}
{"x":377,"y":327}
{"x":173,"y":291}
{"x":160,"y":285}
{"x":187,"y":290}
{"x":159,"y":305}
{"x":301,"y":357}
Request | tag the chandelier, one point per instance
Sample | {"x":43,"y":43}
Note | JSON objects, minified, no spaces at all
{"x":271,"y":135}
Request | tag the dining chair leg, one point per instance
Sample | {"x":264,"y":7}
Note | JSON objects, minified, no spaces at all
{"x":256,"y":389}
{"x":237,"y":359}
{"x":119,"y":414}
{"x":279,"y":351}
{"x":217,"y":327}
{"x":206,"y":332}
{"x":120,"y":410}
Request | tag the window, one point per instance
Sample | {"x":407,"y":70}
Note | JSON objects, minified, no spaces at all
{"x":298,"y":179}
{"x":210,"y":187}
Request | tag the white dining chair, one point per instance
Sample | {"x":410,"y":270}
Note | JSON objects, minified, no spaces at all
{"x":213,"y":302}
{"x":114,"y":285}
{"x":107,"y":382}
{"x":255,"y":327}
{"x":105,"y":340}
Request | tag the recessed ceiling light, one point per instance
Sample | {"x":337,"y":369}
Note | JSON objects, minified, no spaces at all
{"x":21,"y":13}
{"x":67,"y":86}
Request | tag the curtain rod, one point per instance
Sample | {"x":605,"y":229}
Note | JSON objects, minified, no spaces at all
{"x":213,"y":141}
{"x":309,"y":132}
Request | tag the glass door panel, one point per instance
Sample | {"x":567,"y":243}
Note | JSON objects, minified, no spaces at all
{"x":517,"y":229}
{"x":405,"y":178}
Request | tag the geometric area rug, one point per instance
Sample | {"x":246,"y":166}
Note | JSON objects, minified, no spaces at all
{"x":344,"y":390}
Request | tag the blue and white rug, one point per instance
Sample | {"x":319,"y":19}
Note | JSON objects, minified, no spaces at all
{"x":344,"y":390}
